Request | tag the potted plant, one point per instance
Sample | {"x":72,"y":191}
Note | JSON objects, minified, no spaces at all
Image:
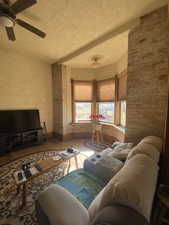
{"x":96,"y":118}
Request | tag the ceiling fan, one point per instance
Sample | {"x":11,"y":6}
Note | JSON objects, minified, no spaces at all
{"x":8,"y":18}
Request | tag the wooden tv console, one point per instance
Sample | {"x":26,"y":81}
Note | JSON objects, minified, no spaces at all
{"x":14,"y":141}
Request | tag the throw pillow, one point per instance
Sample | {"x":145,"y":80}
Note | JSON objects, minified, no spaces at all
{"x":121,"y":155}
{"x":115,"y":144}
{"x":121,"y":150}
{"x":121,"y":146}
{"x":106,"y":152}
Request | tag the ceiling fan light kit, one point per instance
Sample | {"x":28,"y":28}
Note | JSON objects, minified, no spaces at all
{"x":6,"y":21}
{"x":8,"y":18}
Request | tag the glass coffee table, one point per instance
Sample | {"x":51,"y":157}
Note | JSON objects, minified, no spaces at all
{"x":41,"y":167}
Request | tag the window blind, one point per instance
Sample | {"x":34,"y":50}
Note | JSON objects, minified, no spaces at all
{"x":122,"y":90}
{"x":82,"y":91}
{"x":106,"y":90}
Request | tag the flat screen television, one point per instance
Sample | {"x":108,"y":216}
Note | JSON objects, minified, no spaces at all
{"x":14,"y":121}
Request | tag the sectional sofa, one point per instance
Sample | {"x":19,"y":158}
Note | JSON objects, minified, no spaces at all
{"x":126,"y":199}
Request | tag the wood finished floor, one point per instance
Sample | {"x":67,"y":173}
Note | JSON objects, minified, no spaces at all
{"x":52,"y":144}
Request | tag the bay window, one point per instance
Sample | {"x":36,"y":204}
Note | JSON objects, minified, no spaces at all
{"x":105,"y":97}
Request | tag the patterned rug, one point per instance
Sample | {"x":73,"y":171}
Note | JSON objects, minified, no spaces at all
{"x":96,"y":147}
{"x":9,"y":201}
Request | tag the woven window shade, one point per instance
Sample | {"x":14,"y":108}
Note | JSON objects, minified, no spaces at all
{"x":122,"y":88}
{"x":83,"y":91}
{"x":106,"y":90}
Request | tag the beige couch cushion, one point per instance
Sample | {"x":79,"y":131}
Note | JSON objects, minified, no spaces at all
{"x":133,"y":186}
{"x":121,"y":155}
{"x":121,"y":145}
{"x":62,"y":208}
{"x":147,"y":149}
{"x":120,"y":150}
{"x":153,"y":140}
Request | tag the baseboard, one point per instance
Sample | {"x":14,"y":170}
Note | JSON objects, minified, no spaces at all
{"x":68,"y":137}
{"x":81,"y":135}
{"x":61,"y":137}
{"x":58,"y":136}
{"x":50,"y":135}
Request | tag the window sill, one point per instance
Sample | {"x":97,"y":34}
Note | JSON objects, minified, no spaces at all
{"x":81,"y":123}
{"x":102,"y":123}
{"x":113,"y":125}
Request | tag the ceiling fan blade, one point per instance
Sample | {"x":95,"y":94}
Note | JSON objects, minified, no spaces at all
{"x":30,"y":28}
{"x":10,"y":33}
{"x":21,"y":5}
{"x":6,"y":2}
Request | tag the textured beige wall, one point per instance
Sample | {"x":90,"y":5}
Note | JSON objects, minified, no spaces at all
{"x":109,"y":71}
{"x":122,"y":64}
{"x":82,"y":74}
{"x":25,"y":83}
{"x":106,"y":72}
{"x":100,"y":73}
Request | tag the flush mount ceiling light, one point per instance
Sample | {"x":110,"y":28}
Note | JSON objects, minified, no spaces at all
{"x":96,"y":61}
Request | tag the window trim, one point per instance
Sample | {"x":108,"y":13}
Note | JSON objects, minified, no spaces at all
{"x":74,"y":116}
{"x":124,"y":100}
{"x":97,"y":111}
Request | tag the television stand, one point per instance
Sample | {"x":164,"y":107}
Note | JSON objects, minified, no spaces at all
{"x":15,"y":141}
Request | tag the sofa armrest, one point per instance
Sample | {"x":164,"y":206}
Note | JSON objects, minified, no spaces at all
{"x":118,"y":215}
{"x":104,"y":167}
{"x":42,"y":218}
{"x":57,"y":206}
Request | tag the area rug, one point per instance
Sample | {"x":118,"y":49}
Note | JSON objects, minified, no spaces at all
{"x":96,"y":147}
{"x":9,"y":201}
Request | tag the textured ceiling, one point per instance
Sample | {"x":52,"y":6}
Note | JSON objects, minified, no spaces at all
{"x":110,"y":51}
{"x":70,"y":24}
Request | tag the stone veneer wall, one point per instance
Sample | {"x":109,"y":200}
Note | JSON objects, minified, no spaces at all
{"x":148,"y":76}
{"x":57,"y":99}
